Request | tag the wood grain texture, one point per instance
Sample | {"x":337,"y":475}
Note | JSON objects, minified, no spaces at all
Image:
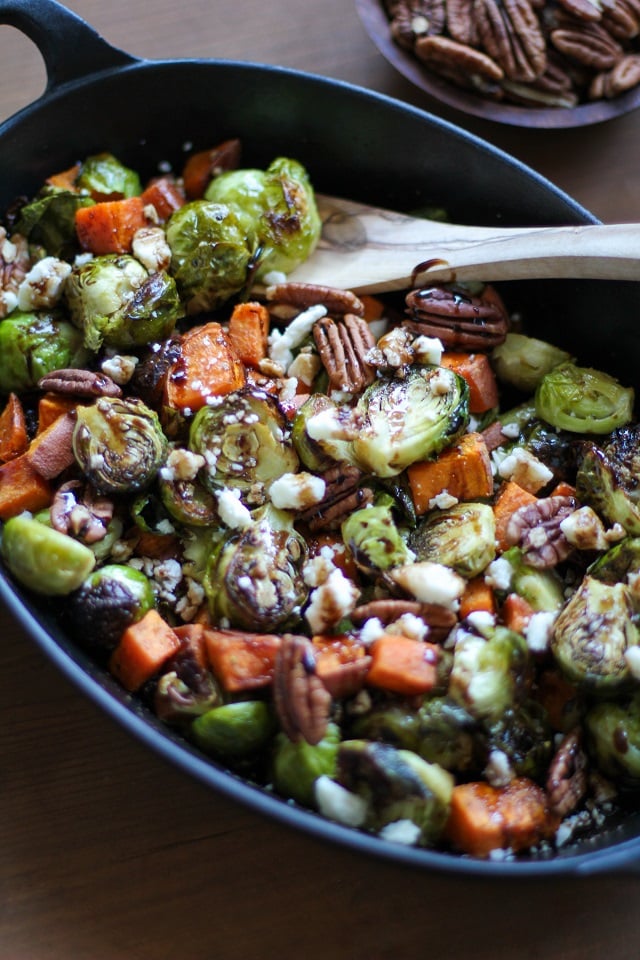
{"x":107,"y":852}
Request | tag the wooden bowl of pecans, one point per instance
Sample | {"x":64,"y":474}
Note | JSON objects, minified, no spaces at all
{"x":528,"y":63}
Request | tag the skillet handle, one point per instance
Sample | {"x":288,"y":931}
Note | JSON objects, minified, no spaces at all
{"x":70,"y":48}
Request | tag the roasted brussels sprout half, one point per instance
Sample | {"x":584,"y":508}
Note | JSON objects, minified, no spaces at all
{"x":43,"y":559}
{"x":583,"y":400}
{"x":397,"y":785}
{"x":107,"y":602}
{"x":280,"y":204}
{"x":234,"y":731}
{"x":409,"y":419}
{"x":118,"y":444}
{"x":187,"y":688}
{"x":462,"y":537}
{"x":525,"y":736}
{"x":592,"y":635}
{"x":311,"y":454}
{"x":106,"y":178}
{"x":49,"y":221}
{"x":448,"y":735}
{"x":523,"y":361}
{"x":297,"y":765}
{"x":615,"y":564}
{"x":34,"y":344}
{"x":184,"y":496}
{"x":211,"y":253}
{"x":608,"y":478}
{"x":490,"y":671}
{"x":613,"y":739}
{"x":245,"y":443}
{"x":117,"y":303}
{"x":390,"y":723}
{"x":254,"y":580}
{"x":373,"y":539}
{"x":542,"y":588}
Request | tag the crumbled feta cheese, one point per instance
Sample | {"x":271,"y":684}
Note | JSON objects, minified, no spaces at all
{"x":305,"y":367}
{"x":42,"y":287}
{"x":232,"y":512}
{"x":440,"y":382}
{"x":401,"y":831}
{"x":408,"y":625}
{"x":150,"y":247}
{"x":585,"y":530}
{"x":339,"y":804}
{"x":480,"y":619}
{"x":499,"y":574}
{"x":442,"y":501}
{"x":430,"y":582}
{"x":526,"y":470}
{"x":120,"y":368}
{"x":331,"y":602}
{"x":297,"y":491}
{"x":182,"y":464}
{"x":316,"y":570}
{"x":539,"y":631}
{"x":283,"y":343}
{"x":428,"y":350}
{"x":511,"y":430}
{"x":370,"y":631}
{"x":8,"y":302}
{"x":498,"y":771}
{"x":632,"y":657}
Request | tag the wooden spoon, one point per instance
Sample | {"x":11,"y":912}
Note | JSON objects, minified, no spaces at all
{"x":368,"y":249}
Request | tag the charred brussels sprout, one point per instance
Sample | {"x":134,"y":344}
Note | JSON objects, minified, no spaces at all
{"x":608,"y":479}
{"x":184,"y":496}
{"x":34,"y":344}
{"x":43,"y":559}
{"x":49,"y":220}
{"x":297,"y":765}
{"x":525,"y":736}
{"x":397,"y":785}
{"x":115,"y":302}
{"x":118,"y":444}
{"x":616,"y":564}
{"x":542,"y":588}
{"x":462,"y":537}
{"x":211,"y":252}
{"x":254,"y":581}
{"x":583,"y":400}
{"x":233,"y":731}
{"x":613,"y":739}
{"x":280,"y":204}
{"x":390,"y":723}
{"x":409,"y":419}
{"x":373,"y":538}
{"x":523,"y":361}
{"x":592,"y":635}
{"x":490,"y":671}
{"x":108,"y":601}
{"x":244,"y":442}
{"x":311,"y":454}
{"x":448,"y":735}
{"x":106,"y":178}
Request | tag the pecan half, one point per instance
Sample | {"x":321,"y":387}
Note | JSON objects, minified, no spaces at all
{"x":343,"y":346}
{"x":461,"y":21}
{"x":460,"y":63}
{"x":410,"y":19}
{"x":536,"y":529}
{"x":79,"y":510}
{"x":567,"y":778}
{"x":622,"y":18}
{"x":343,"y":495}
{"x":459,"y":320}
{"x":511,"y":34}
{"x":439,"y":620}
{"x":300,"y":697}
{"x":587,"y":43}
{"x":80,"y":383}
{"x":304,"y":295}
{"x":624,"y":76}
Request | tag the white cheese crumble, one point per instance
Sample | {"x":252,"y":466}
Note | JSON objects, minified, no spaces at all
{"x":119,"y":367}
{"x":428,"y":350}
{"x":370,"y":631}
{"x":305,"y":367}
{"x":585,"y":530}
{"x":498,"y":771}
{"x":331,"y":602}
{"x":539,"y":631}
{"x":337,"y":803}
{"x":150,"y":247}
{"x":232,"y":512}
{"x":430,"y":582}
{"x":297,"y":491}
{"x":632,"y":657}
{"x":316,"y":570}
{"x":442,"y":501}
{"x":281,"y":344}
{"x":499,"y":574}
{"x":401,"y":831}
{"x":410,"y":626}
{"x":42,"y":287}
{"x":182,"y":464}
{"x":526,"y":470}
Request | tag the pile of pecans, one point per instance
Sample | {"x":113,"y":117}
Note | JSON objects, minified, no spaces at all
{"x":534,"y":53}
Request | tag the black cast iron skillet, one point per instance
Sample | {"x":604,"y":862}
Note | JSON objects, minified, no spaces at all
{"x":356,"y":144}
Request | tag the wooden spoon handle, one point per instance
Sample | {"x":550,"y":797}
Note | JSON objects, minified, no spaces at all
{"x":371,"y":250}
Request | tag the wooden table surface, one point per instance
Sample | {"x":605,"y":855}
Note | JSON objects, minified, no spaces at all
{"x":107,"y":852}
